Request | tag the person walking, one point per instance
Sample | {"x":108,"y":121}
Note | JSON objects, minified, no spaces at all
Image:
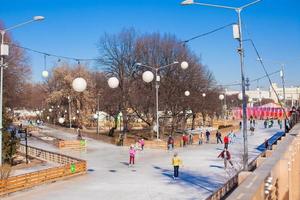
{"x":132,"y":152}
{"x":218,"y":136}
{"x":225,"y":154}
{"x":176,"y":162}
{"x":207,"y":136}
{"x":170,"y":143}
{"x":226,"y":142}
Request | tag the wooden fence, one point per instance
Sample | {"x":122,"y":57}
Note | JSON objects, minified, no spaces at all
{"x":70,"y":167}
{"x":71,"y":144}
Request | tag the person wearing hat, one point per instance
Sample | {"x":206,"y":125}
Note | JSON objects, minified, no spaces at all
{"x":176,"y":162}
{"x":225,"y":155}
{"x":132,"y":152}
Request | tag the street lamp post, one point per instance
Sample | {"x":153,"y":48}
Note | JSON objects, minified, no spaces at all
{"x":79,"y":84}
{"x":148,"y":76}
{"x":283,"y":93}
{"x":5,"y":52}
{"x":70,"y":114}
{"x":237,"y":33}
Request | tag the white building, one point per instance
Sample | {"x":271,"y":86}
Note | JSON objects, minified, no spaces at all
{"x":291,"y":93}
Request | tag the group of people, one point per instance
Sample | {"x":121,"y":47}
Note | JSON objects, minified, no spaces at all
{"x":269,"y":123}
{"x":188,"y":139}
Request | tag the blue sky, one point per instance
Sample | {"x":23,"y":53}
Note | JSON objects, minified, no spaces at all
{"x":73,"y":27}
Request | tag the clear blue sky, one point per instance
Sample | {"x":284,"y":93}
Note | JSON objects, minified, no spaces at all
{"x":73,"y":27}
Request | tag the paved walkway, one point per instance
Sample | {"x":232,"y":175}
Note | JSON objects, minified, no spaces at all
{"x":110,"y":178}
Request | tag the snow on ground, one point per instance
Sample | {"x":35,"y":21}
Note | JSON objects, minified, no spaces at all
{"x":110,"y":178}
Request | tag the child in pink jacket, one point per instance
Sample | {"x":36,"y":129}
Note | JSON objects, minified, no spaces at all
{"x":132,"y":152}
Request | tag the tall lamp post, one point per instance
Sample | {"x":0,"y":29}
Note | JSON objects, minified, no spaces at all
{"x":79,"y":84}
{"x":70,"y":112}
{"x":148,"y":76}
{"x":237,"y":34}
{"x":283,"y":93}
{"x":221,"y":97}
{"x":3,"y":53}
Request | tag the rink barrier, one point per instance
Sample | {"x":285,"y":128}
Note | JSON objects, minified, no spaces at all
{"x":70,"y":167}
{"x":71,"y":144}
{"x":231,"y":184}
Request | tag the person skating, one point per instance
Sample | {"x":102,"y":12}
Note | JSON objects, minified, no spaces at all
{"x":266,"y":143}
{"x":201,"y":138}
{"x":170,"y":143}
{"x":252,"y":130}
{"x":231,"y":136}
{"x":218,"y":136}
{"x":225,"y":154}
{"x":142,"y":143}
{"x":191,"y":138}
{"x":226,"y":141}
{"x":132,"y":153}
{"x":266,"y":123}
{"x":176,"y":162}
{"x":207,"y":136}
{"x":184,"y":140}
{"x":280,"y":123}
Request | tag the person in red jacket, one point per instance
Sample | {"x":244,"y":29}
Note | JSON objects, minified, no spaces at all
{"x":225,"y":154}
{"x":226,"y":141}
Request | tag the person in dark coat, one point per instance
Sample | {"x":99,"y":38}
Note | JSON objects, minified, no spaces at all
{"x":207,"y":136}
{"x":218,"y":136}
{"x":225,"y":154}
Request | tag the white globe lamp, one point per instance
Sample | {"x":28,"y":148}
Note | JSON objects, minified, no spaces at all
{"x":187,"y":93}
{"x":184,"y":65}
{"x":45,"y":74}
{"x":113,"y":82}
{"x":221,"y":97}
{"x":203,"y":94}
{"x":79,"y":84}
{"x":148,"y":76}
{"x":48,"y":117}
{"x":95,"y":116}
{"x":61,"y":120}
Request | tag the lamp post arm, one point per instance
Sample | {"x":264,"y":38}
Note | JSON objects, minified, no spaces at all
{"x":168,"y":65}
{"x":147,"y":66}
{"x":216,"y":6}
{"x":249,"y":4}
{"x":18,"y":25}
